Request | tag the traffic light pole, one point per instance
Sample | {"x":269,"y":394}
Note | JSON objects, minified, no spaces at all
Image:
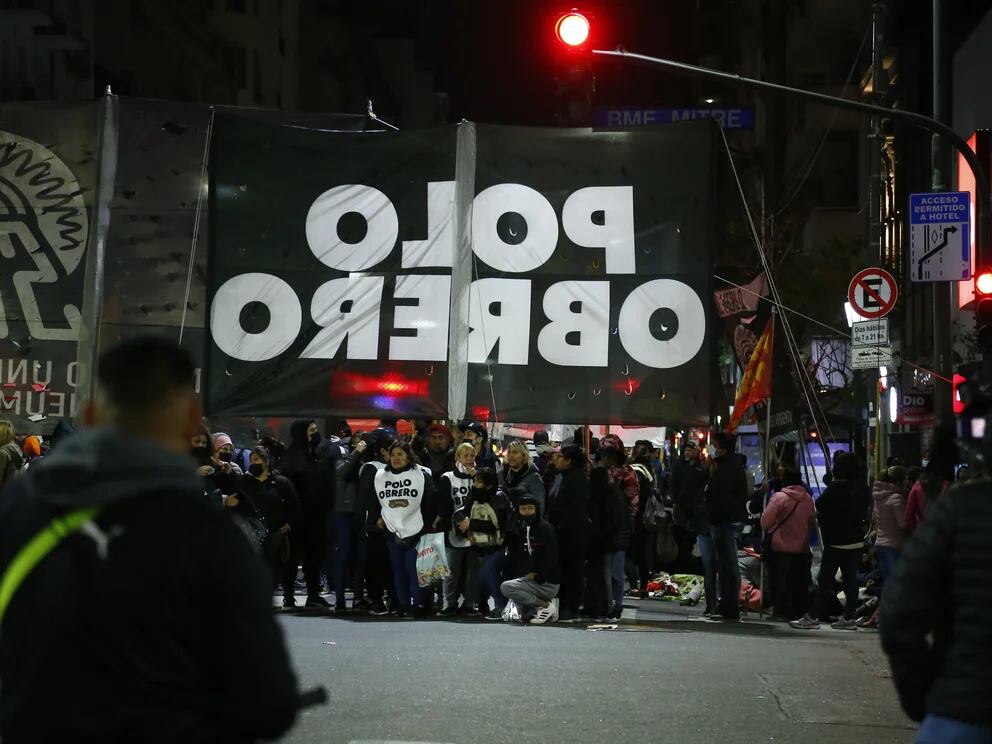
{"x":984,"y":195}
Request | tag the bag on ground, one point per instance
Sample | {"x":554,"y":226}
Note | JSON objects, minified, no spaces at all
{"x":511,"y":613}
{"x":432,"y":561}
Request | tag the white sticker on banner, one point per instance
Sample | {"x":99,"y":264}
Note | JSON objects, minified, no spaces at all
{"x":579,"y":332}
{"x":382,"y":227}
{"x":614,"y":231}
{"x":439,"y":247}
{"x":687,"y":324}
{"x":346,"y":308}
{"x":535,"y":248}
{"x":499,"y":312}
{"x":285,"y":317}
{"x":429,"y":318}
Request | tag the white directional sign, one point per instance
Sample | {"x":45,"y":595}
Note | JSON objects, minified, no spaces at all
{"x":870,"y":332}
{"x":870,"y":357}
{"x":940,"y":237}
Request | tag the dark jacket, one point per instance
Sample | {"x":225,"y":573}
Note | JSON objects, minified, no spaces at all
{"x":368,"y":504}
{"x":275,"y":498}
{"x":943,"y":587}
{"x":529,"y":480}
{"x":500,"y":504}
{"x":534,"y":549}
{"x":11,"y":462}
{"x":842,"y":511}
{"x":311,"y":470}
{"x":346,"y":471}
{"x":569,"y":512}
{"x":610,"y":514}
{"x":167,"y":636}
{"x":727,"y":495}
{"x":438,"y":464}
{"x":688,"y":490}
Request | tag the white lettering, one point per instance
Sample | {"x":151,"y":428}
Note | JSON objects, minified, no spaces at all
{"x":615,"y":234}
{"x":285,"y":317}
{"x":359,"y":323}
{"x":429,"y":318}
{"x":511,"y":298}
{"x":541,"y":225}
{"x":689,"y":318}
{"x":578,"y":334}
{"x":324,"y":216}
{"x":439,"y":248}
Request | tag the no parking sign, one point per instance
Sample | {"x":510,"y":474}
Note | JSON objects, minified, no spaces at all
{"x":873,"y":293}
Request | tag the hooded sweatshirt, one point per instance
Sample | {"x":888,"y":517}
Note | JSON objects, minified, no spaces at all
{"x":890,"y":515}
{"x":532,"y":547}
{"x":118,"y":607}
{"x":790,"y":514}
{"x":306,"y":464}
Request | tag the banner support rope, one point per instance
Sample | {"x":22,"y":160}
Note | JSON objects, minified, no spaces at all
{"x":196,"y":221}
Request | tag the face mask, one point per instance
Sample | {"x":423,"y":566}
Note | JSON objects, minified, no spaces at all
{"x":256,"y":469}
{"x":481,"y":494}
{"x":315,"y":439}
{"x":225,"y":456}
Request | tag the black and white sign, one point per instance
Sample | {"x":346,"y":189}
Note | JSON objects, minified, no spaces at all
{"x":870,"y":357}
{"x":870,"y":332}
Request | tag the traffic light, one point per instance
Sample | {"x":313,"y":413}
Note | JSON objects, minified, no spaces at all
{"x":983,"y":311}
{"x":574,"y":81}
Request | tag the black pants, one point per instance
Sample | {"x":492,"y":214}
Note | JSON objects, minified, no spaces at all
{"x":379,"y":570}
{"x":597,"y":597}
{"x":572,"y":550}
{"x":848,"y":561}
{"x":789,"y":582}
{"x":309,"y":546}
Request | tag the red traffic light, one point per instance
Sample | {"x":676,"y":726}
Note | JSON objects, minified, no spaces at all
{"x":983,"y":283}
{"x":572,"y":29}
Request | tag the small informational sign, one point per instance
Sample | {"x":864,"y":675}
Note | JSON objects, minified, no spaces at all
{"x":871,"y":357}
{"x":870,"y":332}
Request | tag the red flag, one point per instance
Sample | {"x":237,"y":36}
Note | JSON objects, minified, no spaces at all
{"x":756,"y":385}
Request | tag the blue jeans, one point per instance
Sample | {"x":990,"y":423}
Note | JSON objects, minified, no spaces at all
{"x":708,"y":557}
{"x":348,"y":539}
{"x":940,"y":730}
{"x":888,"y":559}
{"x":492,"y":573}
{"x":727,"y":569}
{"x":404,"y":562}
{"x":617,"y":562}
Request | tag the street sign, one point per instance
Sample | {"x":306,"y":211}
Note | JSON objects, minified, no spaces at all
{"x":873,"y":293}
{"x":940,"y":237}
{"x":870,"y":332}
{"x":870,"y":357}
{"x":729,"y":118}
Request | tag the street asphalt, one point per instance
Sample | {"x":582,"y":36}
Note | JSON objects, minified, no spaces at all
{"x":663,"y":675}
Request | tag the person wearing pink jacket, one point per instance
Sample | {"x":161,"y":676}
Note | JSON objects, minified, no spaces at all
{"x":788,"y":518}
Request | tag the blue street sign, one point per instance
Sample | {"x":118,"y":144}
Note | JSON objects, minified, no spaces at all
{"x":729,"y":118}
{"x":940,"y":236}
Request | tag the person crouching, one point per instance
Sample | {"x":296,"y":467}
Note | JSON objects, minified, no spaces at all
{"x":533,"y":552}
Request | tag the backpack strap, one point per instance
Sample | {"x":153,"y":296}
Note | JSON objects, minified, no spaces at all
{"x":39,"y":546}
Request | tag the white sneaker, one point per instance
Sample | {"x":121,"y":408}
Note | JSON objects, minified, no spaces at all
{"x":546,"y":614}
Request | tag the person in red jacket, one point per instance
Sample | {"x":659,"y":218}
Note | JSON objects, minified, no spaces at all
{"x":787,"y":519}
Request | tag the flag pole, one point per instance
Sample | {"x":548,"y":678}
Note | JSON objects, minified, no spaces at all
{"x":768,"y":467}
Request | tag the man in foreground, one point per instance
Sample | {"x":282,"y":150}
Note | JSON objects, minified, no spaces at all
{"x":148,"y":615}
{"x":934,"y":619}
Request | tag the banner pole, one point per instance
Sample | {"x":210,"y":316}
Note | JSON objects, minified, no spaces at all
{"x":768,"y":473}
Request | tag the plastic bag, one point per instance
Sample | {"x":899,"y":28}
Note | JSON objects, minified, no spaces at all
{"x":432,"y":561}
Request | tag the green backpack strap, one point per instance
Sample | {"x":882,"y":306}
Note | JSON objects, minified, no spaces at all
{"x":37,"y":548}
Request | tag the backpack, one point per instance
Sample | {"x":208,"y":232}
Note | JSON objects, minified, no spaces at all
{"x":484,"y":512}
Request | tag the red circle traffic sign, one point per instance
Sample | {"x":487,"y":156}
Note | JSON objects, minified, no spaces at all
{"x":873,"y":293}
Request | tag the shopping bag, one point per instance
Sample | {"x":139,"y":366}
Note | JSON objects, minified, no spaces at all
{"x":511,"y":613}
{"x":432,"y":561}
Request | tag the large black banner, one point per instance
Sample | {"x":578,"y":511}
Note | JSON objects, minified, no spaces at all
{"x":521,"y":274}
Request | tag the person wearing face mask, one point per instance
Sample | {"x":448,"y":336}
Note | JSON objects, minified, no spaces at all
{"x":378,"y":570}
{"x":569,"y":514}
{"x":475,"y":434}
{"x":306,"y":464}
{"x":224,"y":454}
{"x":484,"y":520}
{"x":405,"y":498}
{"x":270,"y":497}
{"x":453,"y":494}
{"x":532,"y":548}
{"x":217,"y":477}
